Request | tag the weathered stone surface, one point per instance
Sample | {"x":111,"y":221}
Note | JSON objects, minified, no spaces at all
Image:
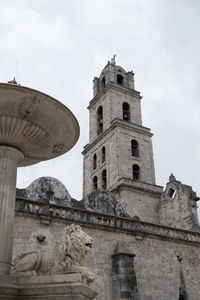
{"x":156,"y":248}
{"x":104,"y":202}
{"x":124,"y":282}
{"x":57,"y":287}
{"x":49,"y":190}
{"x":46,"y":190}
{"x":50,"y":213}
{"x":178,"y":206}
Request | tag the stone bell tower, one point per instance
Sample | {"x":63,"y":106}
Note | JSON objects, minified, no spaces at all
{"x":119,"y":156}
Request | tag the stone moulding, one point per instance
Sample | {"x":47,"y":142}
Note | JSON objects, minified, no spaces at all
{"x":114,"y":123}
{"x":52,"y":211}
{"x":63,"y":287}
{"x":114,"y":86}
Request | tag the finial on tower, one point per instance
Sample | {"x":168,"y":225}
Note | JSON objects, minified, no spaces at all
{"x":113,"y":60}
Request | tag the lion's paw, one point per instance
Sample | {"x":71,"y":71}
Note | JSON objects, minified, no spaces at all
{"x":87,"y":276}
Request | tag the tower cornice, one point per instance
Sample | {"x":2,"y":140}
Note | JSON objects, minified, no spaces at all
{"x":137,"y":185}
{"x":122,"y":124}
{"x":111,"y":85}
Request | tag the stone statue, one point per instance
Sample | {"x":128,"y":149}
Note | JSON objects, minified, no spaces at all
{"x":67,"y":257}
{"x":113,"y":60}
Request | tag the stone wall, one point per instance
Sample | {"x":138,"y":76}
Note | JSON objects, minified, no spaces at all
{"x":156,"y":265}
{"x":178,"y":206}
{"x":139,"y":203}
{"x":167,"y":260}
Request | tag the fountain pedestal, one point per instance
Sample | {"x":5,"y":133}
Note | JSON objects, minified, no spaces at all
{"x":9,"y":158}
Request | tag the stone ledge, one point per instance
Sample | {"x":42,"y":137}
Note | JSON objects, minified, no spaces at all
{"x":137,"y":185}
{"x":49,"y":279}
{"x":55,"y":287}
{"x":117,"y":122}
{"x":113,"y":86}
{"x":52,"y":212}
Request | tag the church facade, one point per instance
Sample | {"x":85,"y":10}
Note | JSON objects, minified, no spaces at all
{"x":146,"y":238}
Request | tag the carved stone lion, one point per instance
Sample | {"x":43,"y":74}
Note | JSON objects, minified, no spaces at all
{"x":67,"y":257}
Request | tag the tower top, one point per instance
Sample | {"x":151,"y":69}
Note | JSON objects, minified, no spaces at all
{"x":114,"y":74}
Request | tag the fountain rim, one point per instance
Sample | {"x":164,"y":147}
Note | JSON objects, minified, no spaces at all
{"x":74,"y":119}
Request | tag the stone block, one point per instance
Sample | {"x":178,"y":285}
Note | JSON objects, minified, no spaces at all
{"x":54,"y":287}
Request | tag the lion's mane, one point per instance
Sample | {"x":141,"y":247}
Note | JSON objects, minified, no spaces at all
{"x":70,"y":246}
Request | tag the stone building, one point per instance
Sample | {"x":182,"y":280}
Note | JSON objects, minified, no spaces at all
{"x":147,"y":239}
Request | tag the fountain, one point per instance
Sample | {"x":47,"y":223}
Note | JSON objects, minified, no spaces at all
{"x":34,"y":127}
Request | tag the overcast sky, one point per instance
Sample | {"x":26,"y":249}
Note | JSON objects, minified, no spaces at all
{"x":58,"y":46}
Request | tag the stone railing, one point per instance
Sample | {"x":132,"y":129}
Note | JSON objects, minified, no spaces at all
{"x":141,"y":229}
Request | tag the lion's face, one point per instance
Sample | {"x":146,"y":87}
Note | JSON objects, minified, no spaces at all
{"x":86,"y":240}
{"x":80,"y":239}
{"x":73,"y":244}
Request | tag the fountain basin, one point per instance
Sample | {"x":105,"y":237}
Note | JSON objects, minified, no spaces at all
{"x":36,"y":124}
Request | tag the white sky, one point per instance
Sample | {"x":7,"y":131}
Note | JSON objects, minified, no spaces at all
{"x":58,"y":46}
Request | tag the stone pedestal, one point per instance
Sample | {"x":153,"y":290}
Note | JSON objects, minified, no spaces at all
{"x":54,"y":287}
{"x":9,"y":158}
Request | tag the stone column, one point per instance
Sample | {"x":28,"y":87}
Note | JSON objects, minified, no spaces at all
{"x":9,"y":158}
{"x":124,"y":282}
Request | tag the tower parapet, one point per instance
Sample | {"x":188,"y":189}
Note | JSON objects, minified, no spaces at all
{"x":113,"y":73}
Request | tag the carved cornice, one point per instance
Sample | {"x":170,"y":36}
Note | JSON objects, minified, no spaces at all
{"x":137,"y":185}
{"x":52,"y":212}
{"x":122,"y":124}
{"x":117,"y":87}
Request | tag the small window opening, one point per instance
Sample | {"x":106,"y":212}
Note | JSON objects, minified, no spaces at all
{"x":134,"y":148}
{"x":126,"y":111}
{"x":99,"y":120}
{"x":119,"y":79}
{"x":104,"y":179}
{"x":103,"y":82}
{"x":103,"y":154}
{"x":136,"y":172}
{"x":94,"y":161}
{"x":95,"y":182}
{"x":171,"y":193}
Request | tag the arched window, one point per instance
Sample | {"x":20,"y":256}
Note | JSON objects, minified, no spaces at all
{"x":99,"y":119}
{"x":94,"y":161}
{"x":136,"y":172}
{"x":103,"y":82}
{"x":126,"y":111}
{"x":120,"y":79}
{"x":95,"y":182}
{"x":104,"y":179}
{"x":103,"y":154}
{"x":134,"y":148}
